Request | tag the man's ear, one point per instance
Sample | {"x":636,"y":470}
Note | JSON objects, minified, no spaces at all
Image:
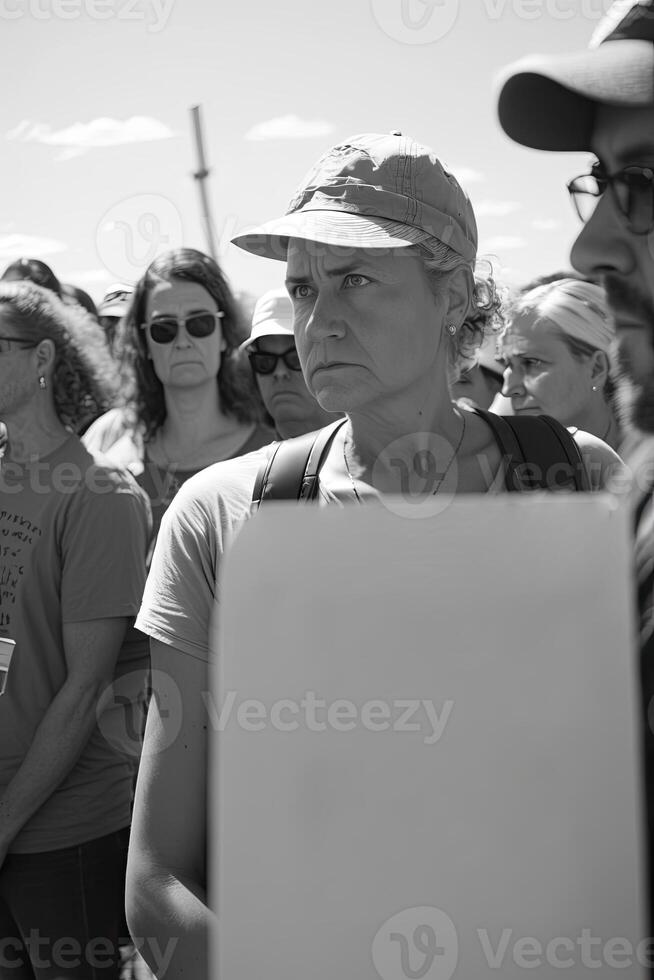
{"x":461,"y":288}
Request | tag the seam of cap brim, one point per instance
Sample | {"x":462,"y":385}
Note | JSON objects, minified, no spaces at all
{"x":271,"y":331}
{"x":271,"y":239}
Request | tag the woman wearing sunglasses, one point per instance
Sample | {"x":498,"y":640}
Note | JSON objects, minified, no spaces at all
{"x":191,"y":399}
{"x":277,"y":370}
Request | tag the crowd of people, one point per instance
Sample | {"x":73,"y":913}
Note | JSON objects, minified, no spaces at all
{"x":139,"y":436}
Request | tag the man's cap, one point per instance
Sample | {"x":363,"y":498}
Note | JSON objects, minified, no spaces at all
{"x":35,"y":271}
{"x":548,"y":102}
{"x":116,"y":300}
{"x":273,"y":316}
{"x":373,"y":191}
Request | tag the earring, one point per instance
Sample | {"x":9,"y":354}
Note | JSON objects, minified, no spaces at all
{"x":451,"y":329}
{"x":42,"y":383}
{"x":594,"y":387}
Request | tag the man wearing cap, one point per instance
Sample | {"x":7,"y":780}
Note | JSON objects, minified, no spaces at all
{"x":602,"y":100}
{"x":277,"y":370}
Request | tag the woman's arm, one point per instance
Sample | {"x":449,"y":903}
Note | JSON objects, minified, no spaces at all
{"x":605,"y":469}
{"x":166,"y":874}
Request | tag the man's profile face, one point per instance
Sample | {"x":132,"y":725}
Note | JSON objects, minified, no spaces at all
{"x":607,"y":249}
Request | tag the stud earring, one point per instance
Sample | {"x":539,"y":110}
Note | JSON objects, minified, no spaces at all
{"x":451,"y":329}
{"x":594,"y":387}
{"x":42,"y":383}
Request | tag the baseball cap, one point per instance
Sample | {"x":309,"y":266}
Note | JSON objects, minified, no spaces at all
{"x":273,"y":315}
{"x":548,"y":102}
{"x":373,"y":191}
{"x":116,"y":300}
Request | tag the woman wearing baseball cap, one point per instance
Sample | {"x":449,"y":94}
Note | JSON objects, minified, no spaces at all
{"x":379,"y":244}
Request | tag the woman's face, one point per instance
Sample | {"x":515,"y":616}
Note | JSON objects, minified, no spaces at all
{"x":186,"y":361}
{"x":542,"y":377}
{"x":367,"y":326}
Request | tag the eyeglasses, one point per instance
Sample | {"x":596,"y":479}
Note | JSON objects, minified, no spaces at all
{"x":632,"y":190}
{"x":265,"y":363}
{"x":164,"y":329}
{"x":25,"y":344}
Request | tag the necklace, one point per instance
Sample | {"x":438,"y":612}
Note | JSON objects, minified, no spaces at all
{"x":454,"y":454}
{"x":440,"y":482}
{"x":608,"y":429}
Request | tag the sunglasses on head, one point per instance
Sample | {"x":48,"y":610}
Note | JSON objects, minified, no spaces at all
{"x":265,"y":363}
{"x":164,"y":329}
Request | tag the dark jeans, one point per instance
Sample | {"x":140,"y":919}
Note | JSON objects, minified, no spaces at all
{"x":62,"y":912}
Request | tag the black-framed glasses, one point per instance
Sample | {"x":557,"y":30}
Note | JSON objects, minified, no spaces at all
{"x":632,"y":190}
{"x":265,"y":363}
{"x":164,"y":329}
{"x":25,"y":344}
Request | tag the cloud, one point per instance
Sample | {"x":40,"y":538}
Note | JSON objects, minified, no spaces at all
{"x":80,"y":277}
{"x":466,"y":175}
{"x":545,"y":224}
{"x":82,"y":137}
{"x":289,"y":128}
{"x":30,"y":246}
{"x":502,"y":243}
{"x":496,"y":209}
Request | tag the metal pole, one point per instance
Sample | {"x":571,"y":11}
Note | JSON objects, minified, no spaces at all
{"x":201,"y":175}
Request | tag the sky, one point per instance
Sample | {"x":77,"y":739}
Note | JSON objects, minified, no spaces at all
{"x":98,"y":156}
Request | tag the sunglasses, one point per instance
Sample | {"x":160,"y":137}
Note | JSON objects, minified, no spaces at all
{"x":164,"y":329}
{"x":632,"y":190}
{"x":264,"y":363}
{"x":25,"y":344}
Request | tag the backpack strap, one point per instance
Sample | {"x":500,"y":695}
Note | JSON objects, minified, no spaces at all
{"x":290,"y":471}
{"x":539,"y":453}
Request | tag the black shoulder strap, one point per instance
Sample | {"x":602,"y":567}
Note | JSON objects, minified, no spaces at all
{"x":291,"y":468}
{"x":539,"y":453}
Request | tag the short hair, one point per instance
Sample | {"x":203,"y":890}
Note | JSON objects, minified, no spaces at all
{"x":484,"y":316}
{"x":84,"y":378}
{"x":145,"y":393}
{"x":563,"y":303}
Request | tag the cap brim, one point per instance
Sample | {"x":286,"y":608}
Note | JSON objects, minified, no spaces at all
{"x":548,"y":103}
{"x":332,"y":227}
{"x":113,"y":311}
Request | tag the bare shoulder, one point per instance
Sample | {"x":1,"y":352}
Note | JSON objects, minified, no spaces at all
{"x":605,"y":469}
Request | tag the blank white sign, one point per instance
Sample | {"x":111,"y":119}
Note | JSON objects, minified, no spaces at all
{"x":427,"y":757}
